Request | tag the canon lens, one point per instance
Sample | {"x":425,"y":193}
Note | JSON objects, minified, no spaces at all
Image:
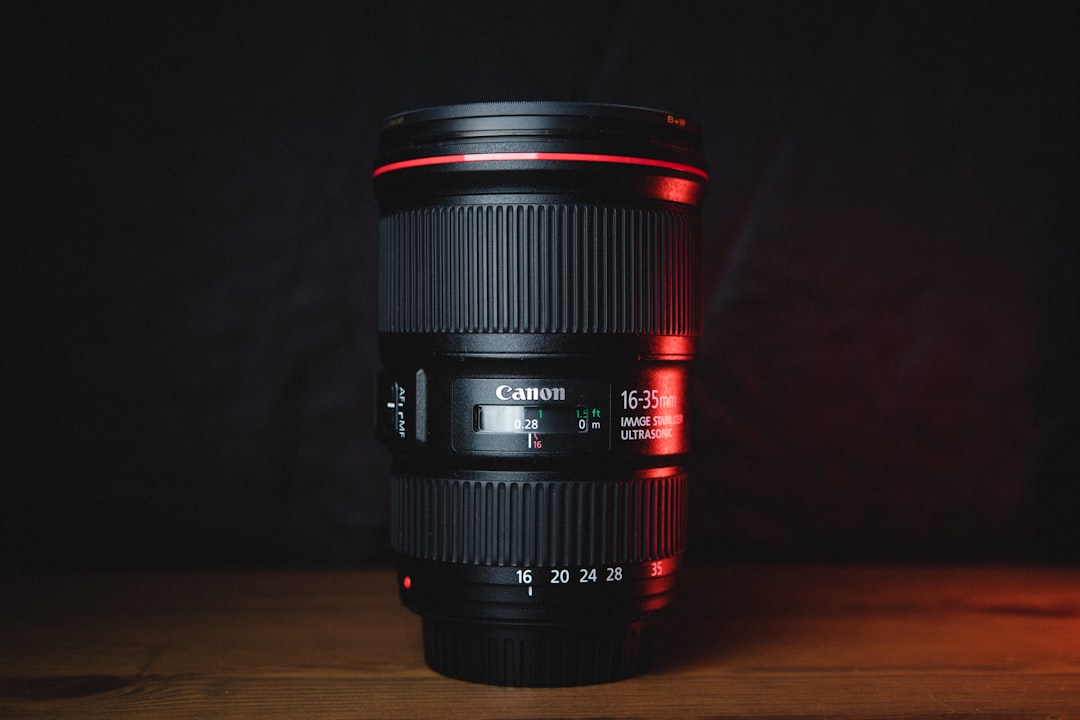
{"x":539,"y":303}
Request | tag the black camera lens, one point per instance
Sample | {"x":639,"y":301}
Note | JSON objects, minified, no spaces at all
{"x":539,"y":304}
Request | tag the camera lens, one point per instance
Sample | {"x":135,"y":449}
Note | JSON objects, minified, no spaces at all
{"x":539,"y":304}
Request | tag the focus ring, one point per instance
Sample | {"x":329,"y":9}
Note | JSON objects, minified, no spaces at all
{"x":539,"y":268}
{"x":539,"y":523}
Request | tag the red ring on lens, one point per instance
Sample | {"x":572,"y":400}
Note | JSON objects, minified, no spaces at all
{"x":556,"y":156}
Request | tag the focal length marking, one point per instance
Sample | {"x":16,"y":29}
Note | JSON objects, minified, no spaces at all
{"x":561,"y":576}
{"x":647,"y":399}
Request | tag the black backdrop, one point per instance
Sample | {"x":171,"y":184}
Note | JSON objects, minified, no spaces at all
{"x":888,"y":370}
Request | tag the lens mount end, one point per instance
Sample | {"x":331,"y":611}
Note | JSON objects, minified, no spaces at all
{"x":537,"y":656}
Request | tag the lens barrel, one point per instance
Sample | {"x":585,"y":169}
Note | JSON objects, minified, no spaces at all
{"x":539,"y":304}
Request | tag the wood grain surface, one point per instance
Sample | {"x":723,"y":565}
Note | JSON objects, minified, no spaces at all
{"x":837,"y":642}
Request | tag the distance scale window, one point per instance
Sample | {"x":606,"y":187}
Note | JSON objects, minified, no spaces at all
{"x":549,"y":420}
{"x":534,"y":416}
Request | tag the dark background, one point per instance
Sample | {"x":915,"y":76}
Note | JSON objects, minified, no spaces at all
{"x":889,"y":366}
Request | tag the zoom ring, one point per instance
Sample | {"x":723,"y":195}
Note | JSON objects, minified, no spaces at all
{"x":539,"y":523}
{"x":539,"y":268}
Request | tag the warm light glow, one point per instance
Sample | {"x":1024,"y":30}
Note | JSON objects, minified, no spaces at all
{"x":547,"y":156}
{"x":406,"y":582}
{"x":677,"y":190}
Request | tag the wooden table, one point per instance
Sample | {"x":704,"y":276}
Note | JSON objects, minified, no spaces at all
{"x":746,"y":642}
